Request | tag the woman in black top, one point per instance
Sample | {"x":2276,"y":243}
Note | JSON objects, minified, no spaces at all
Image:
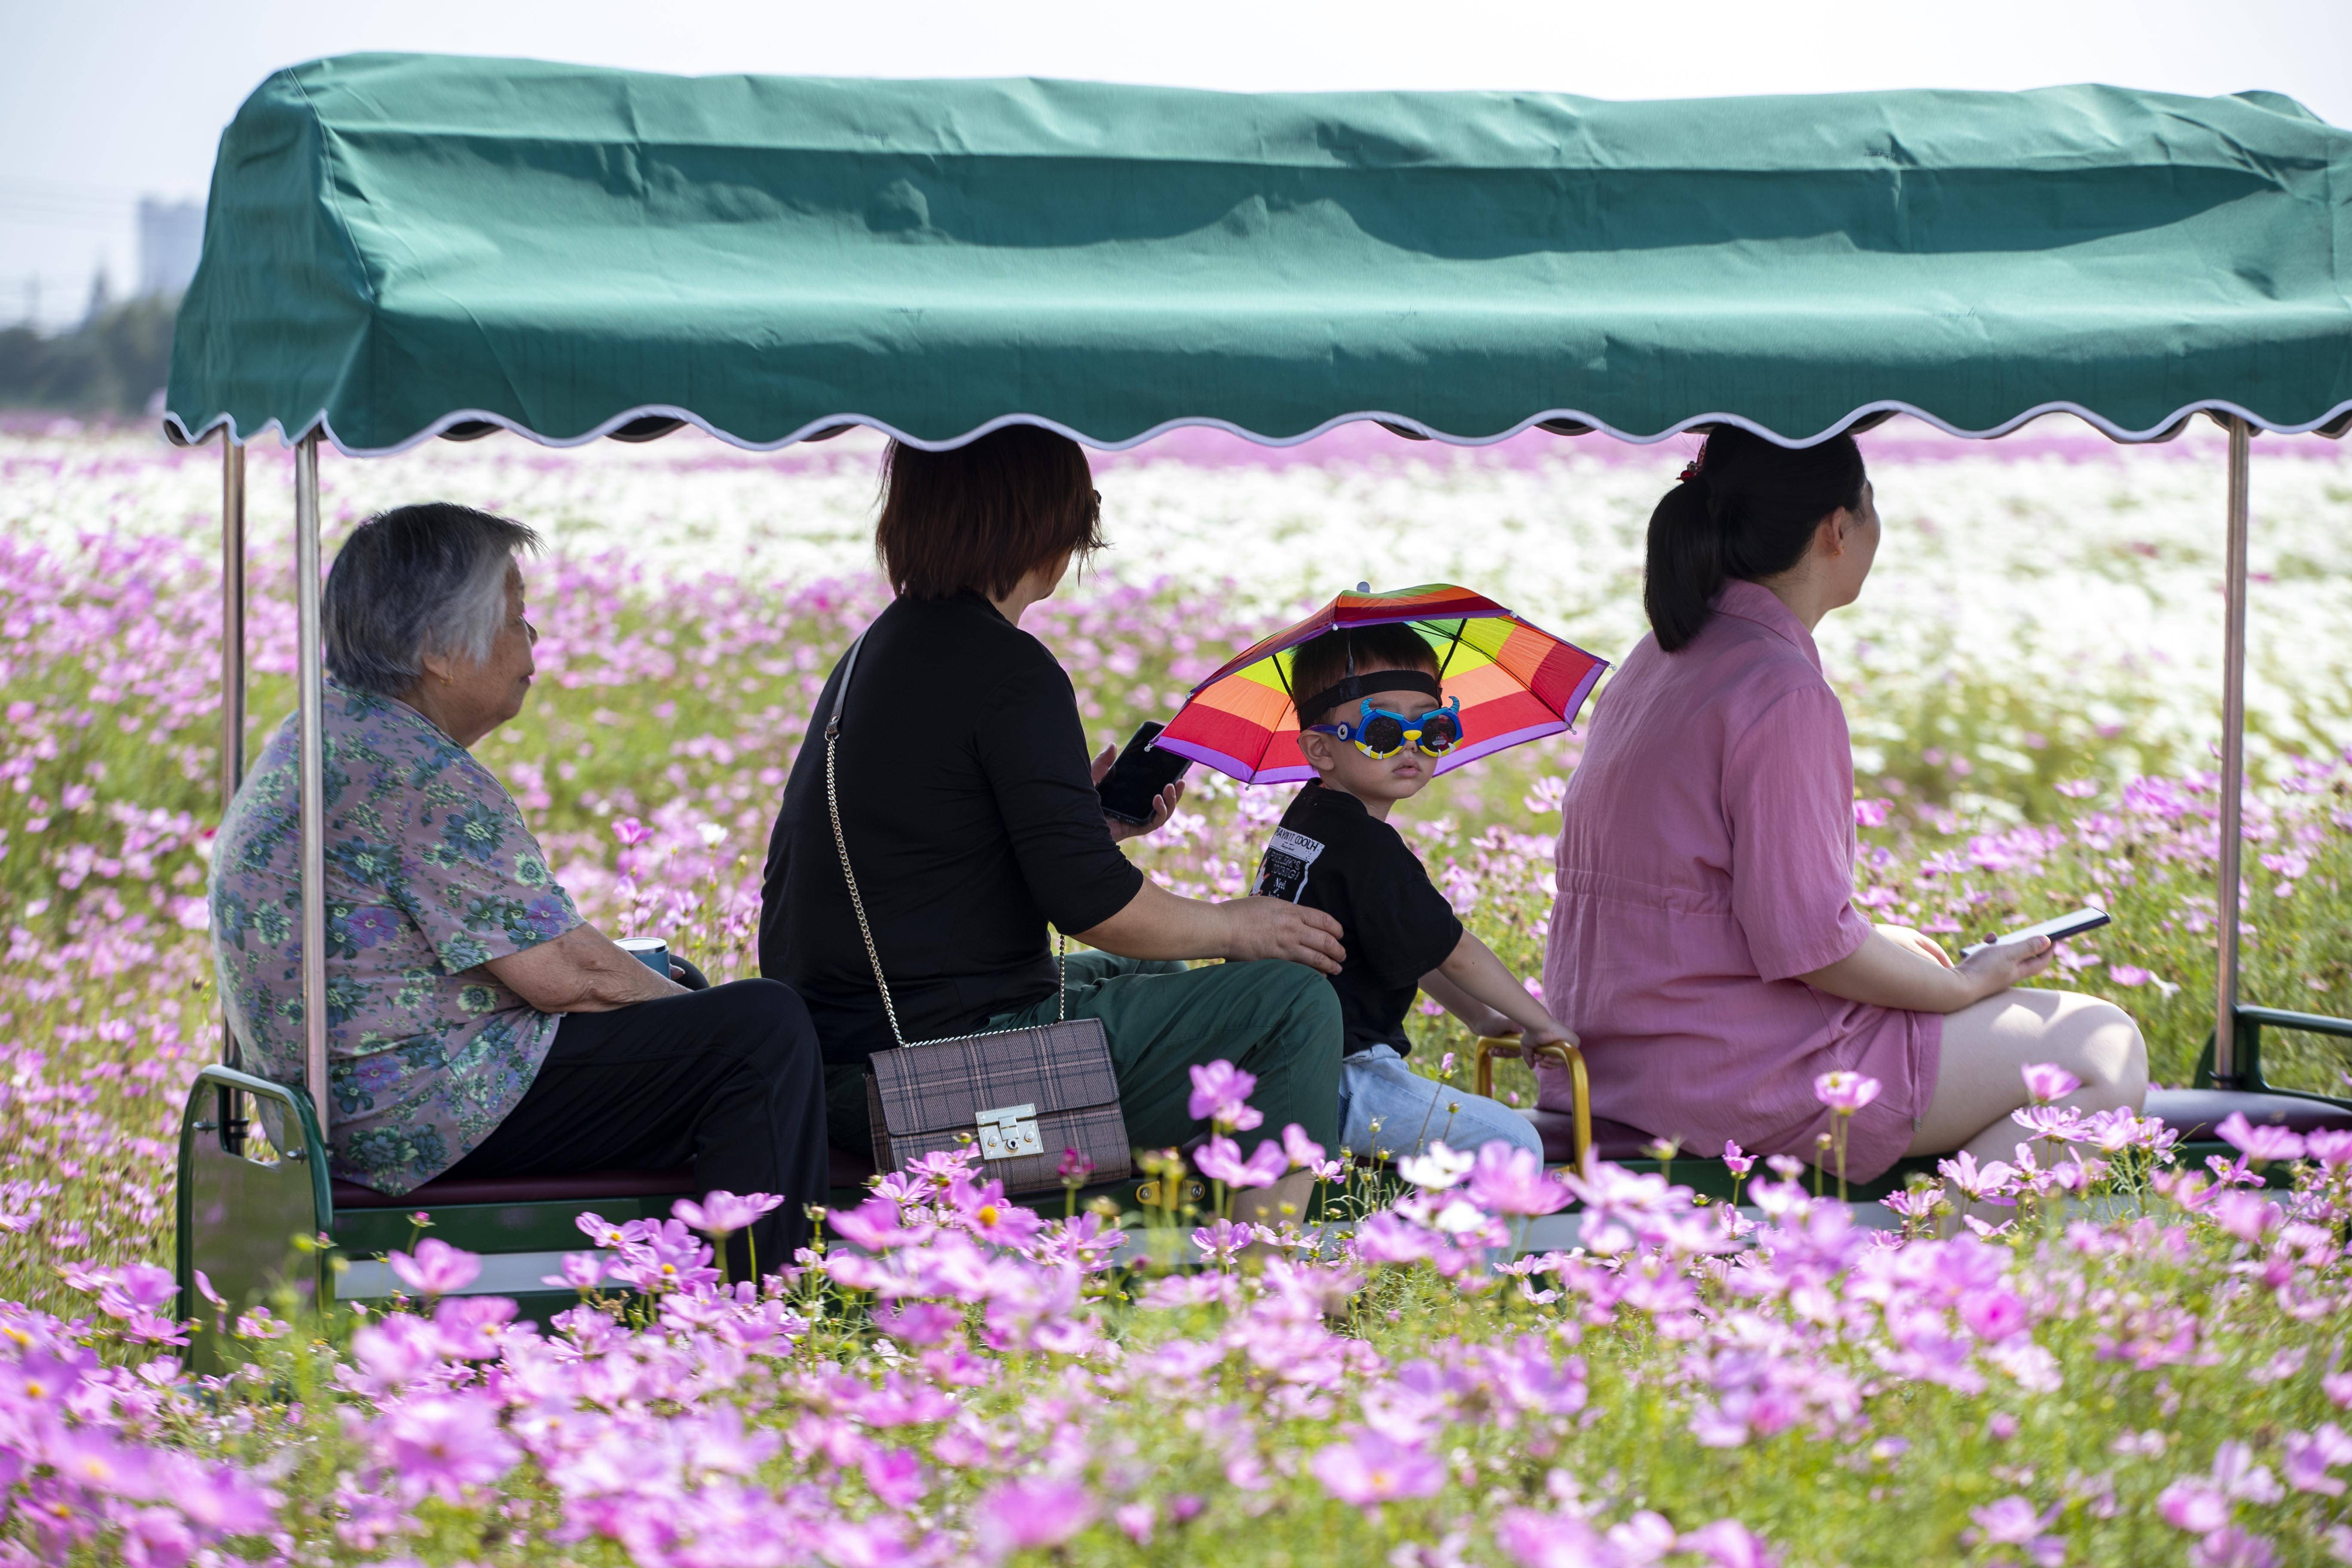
{"x":969,"y":806}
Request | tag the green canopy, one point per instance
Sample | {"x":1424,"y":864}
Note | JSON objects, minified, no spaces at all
{"x":400,"y":245}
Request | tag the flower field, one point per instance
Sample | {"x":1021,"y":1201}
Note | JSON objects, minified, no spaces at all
{"x":2143,"y":1364}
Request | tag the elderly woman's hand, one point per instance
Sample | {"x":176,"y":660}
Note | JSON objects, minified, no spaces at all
{"x":580,"y":972}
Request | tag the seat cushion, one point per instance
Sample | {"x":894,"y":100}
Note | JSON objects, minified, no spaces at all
{"x":584,"y":1186}
{"x":1611,"y":1140}
{"x":2195,"y":1113}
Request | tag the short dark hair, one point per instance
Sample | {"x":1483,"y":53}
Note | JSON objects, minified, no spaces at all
{"x":982,"y":516}
{"x":429,"y":578}
{"x":1321,"y":663}
{"x":1747,"y":510}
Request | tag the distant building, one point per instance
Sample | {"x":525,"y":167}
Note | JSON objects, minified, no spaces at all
{"x":171,"y":238}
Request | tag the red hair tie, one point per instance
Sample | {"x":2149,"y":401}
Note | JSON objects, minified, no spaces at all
{"x":1690,"y":472}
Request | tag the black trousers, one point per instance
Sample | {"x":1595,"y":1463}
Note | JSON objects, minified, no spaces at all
{"x":725,"y":1080}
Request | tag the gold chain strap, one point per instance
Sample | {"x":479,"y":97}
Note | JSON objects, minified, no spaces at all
{"x":841,"y":845}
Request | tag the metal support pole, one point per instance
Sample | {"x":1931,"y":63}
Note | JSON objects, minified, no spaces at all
{"x":232,"y":715}
{"x":2233,"y":761}
{"x":312,"y":705}
{"x":232,"y":744}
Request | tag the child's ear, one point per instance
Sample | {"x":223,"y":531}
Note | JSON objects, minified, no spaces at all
{"x":1319,"y":750}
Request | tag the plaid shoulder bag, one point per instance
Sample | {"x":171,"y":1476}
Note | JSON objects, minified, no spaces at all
{"x":1023,"y":1096}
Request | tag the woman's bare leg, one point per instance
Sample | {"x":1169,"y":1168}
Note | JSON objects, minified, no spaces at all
{"x":1987,"y":1047}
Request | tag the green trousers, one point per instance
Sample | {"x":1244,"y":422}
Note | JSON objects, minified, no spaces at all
{"x":1277,"y":1021}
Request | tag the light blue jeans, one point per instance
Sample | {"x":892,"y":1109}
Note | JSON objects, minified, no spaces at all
{"x":1377,"y":1085}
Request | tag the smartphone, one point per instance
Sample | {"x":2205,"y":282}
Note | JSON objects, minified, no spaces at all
{"x":2090,"y":917}
{"x":1130,"y":791}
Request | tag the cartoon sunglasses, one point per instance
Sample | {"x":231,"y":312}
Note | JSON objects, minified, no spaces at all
{"x":1384,"y":733}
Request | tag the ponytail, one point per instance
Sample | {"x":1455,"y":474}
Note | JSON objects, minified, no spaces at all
{"x":1747,"y":509}
{"x":1685,"y":566}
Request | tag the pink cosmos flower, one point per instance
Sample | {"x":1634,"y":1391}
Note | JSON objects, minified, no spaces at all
{"x":918,"y":1322}
{"x":1305,"y":1154}
{"x":2266,"y":1143}
{"x":1371,"y":1469}
{"x":991,"y":1216}
{"x":1538,"y":1540}
{"x":1026,"y":1515}
{"x":723,"y":1213}
{"x":1221,"y":1159}
{"x":472,"y":1327}
{"x":900,"y":1403}
{"x":2047,"y":1081}
{"x":134,"y":1290}
{"x":1919,"y":1204}
{"x":1845,"y":1093}
{"x":1221,"y":1241}
{"x":2331,"y":1147}
{"x":872,"y":1224}
{"x":1994,"y":1315}
{"x":1736,"y":1160}
{"x":89,"y":1456}
{"x":2193,"y":1504}
{"x":1137,"y":1520}
{"x":2010,"y":1522}
{"x":582,"y":1271}
{"x":157,"y":1538}
{"x":2309,"y":1457}
{"x":440,"y":1446}
{"x":2249,"y":1217}
{"x":1221,"y":1093}
{"x":2129,"y":974}
{"x":437,"y":1269}
{"x":1990,"y":1183}
{"x":1074,"y":1168}
{"x":1513,"y":1181}
{"x":1727,"y":1543}
{"x":894,"y":1476}
{"x":2234,"y":1548}
{"x":2236,"y":1473}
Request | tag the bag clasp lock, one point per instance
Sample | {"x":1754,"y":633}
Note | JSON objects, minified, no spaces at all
{"x":1008,"y":1131}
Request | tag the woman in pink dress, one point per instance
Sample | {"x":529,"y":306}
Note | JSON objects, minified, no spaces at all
{"x":1705,"y":946}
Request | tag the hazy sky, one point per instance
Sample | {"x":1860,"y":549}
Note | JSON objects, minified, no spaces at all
{"x":104,"y":101}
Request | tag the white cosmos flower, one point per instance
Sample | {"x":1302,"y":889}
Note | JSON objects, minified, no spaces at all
{"x":1438,"y":1169}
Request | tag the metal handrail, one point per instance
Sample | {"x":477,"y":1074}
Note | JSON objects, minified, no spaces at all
{"x":1559,"y":1053}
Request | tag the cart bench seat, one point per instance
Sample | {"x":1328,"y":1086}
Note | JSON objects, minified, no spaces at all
{"x":580,"y":1187}
{"x":847,"y":1171}
{"x":2193,"y":1113}
{"x":1613,"y":1140}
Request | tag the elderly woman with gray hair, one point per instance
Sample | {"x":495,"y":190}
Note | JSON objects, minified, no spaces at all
{"x":477,"y":1025}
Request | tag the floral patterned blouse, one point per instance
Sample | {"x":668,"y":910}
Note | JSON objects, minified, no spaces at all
{"x":430,"y":872}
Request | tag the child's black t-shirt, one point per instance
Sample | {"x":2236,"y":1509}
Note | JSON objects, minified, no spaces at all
{"x":1330,"y":854}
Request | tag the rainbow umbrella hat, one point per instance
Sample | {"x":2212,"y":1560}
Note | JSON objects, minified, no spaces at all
{"x":1517,"y":682}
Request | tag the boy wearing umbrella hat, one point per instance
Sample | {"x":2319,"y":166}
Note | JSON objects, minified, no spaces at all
{"x":1372,"y":726}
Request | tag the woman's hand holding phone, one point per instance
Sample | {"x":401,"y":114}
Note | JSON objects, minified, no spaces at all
{"x":1164,"y":805}
{"x":2001,"y":964}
